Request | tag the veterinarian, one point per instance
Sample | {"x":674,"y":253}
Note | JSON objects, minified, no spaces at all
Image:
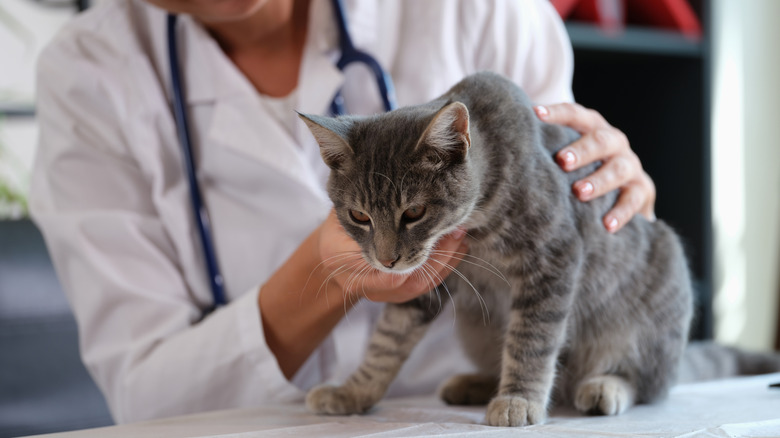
{"x":110,"y":192}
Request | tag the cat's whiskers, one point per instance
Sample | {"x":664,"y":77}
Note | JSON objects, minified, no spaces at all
{"x":364,"y":276}
{"x":352,"y":282}
{"x":331,"y":261}
{"x":424,"y":276}
{"x":490,"y":267}
{"x":351,"y":295}
{"x":482,"y":304}
{"x":344,"y":267}
{"x":435,"y":289}
{"x":349,"y":260}
{"x":437,"y":279}
{"x":339,"y":256}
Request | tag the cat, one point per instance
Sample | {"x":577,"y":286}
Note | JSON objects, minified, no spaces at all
{"x":556,"y":307}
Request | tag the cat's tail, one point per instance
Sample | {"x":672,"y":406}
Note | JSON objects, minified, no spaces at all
{"x":710,"y":360}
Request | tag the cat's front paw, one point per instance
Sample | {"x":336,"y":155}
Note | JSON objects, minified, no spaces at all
{"x":513,"y":411}
{"x":336,"y":400}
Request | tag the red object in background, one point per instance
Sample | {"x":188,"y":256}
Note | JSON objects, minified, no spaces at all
{"x":669,"y":14}
{"x":564,"y":7}
{"x":613,"y":14}
{"x":609,"y":14}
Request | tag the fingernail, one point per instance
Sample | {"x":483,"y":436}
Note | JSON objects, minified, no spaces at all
{"x":566,"y":159}
{"x":458,"y":234}
{"x":542,"y":112}
{"x":611,"y":223}
{"x":584,"y":190}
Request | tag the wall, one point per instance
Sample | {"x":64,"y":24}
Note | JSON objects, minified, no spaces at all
{"x":745,"y":178}
{"x":44,"y":387}
{"x":25,"y":28}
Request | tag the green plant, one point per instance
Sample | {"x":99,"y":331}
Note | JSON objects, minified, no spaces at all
{"x":13,"y":199}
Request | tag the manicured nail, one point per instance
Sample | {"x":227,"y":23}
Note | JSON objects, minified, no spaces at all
{"x":542,"y":112}
{"x":566,"y":159}
{"x":611,"y":223}
{"x":584,"y":190}
{"x":458,"y":234}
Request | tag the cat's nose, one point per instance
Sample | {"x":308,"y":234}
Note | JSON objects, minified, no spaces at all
{"x":389,"y":263}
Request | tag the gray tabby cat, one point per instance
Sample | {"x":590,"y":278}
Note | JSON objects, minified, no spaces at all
{"x":603,"y":318}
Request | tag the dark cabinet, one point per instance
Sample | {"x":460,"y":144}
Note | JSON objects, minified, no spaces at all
{"x":654,"y":86}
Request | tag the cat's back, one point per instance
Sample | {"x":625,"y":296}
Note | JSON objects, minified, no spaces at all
{"x":489,"y":87}
{"x":488,"y":95}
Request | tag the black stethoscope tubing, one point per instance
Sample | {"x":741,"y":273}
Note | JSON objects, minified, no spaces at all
{"x":349,"y":55}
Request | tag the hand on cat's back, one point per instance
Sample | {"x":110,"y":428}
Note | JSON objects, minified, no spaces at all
{"x":621,"y":167}
{"x":342,"y":259}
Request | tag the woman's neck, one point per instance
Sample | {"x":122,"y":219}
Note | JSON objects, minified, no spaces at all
{"x":267,"y":46}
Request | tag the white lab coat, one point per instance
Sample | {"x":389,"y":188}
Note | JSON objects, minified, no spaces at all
{"x":110,"y":194}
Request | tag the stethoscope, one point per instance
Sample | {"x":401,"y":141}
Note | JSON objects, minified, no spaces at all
{"x":349,"y":55}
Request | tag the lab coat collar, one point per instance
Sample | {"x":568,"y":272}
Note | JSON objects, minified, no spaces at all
{"x":208,"y":73}
{"x":211,"y":76}
{"x":239,"y":120}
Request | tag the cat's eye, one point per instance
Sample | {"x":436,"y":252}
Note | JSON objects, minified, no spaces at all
{"x":414,"y":213}
{"x":359,"y":217}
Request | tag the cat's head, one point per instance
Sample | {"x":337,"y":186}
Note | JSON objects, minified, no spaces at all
{"x":399,"y":181}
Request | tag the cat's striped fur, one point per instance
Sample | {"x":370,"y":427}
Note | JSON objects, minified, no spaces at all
{"x":562,"y":305}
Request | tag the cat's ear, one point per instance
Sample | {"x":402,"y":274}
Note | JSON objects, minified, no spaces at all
{"x":447,"y":136}
{"x":330,"y":134}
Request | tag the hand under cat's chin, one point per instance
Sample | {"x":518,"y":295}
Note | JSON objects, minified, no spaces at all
{"x":402,"y":267}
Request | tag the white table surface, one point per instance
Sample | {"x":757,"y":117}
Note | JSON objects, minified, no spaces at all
{"x":737,"y":407}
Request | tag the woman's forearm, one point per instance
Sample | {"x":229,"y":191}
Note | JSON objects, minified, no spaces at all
{"x":299,"y":306}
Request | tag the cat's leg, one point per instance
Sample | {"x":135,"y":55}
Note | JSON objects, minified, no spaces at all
{"x":623,"y":365}
{"x":625,"y":370}
{"x":533,"y":339}
{"x":398,"y":330}
{"x":601,"y":363}
{"x":480,"y":328}
{"x":528,"y":370}
{"x":631,"y":355}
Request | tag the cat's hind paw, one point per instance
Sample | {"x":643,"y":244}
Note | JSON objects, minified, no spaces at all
{"x":604,"y":395}
{"x":513,"y":411}
{"x":336,"y":400}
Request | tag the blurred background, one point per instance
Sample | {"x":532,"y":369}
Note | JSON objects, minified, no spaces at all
{"x":695,"y":84}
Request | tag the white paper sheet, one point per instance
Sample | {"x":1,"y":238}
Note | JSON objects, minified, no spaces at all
{"x":741,"y":407}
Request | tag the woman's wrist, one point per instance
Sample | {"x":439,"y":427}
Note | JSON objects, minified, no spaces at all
{"x":300,"y":305}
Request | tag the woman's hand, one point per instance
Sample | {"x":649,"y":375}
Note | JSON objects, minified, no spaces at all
{"x":297,"y":303}
{"x":342,"y":258}
{"x":621,"y":168}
